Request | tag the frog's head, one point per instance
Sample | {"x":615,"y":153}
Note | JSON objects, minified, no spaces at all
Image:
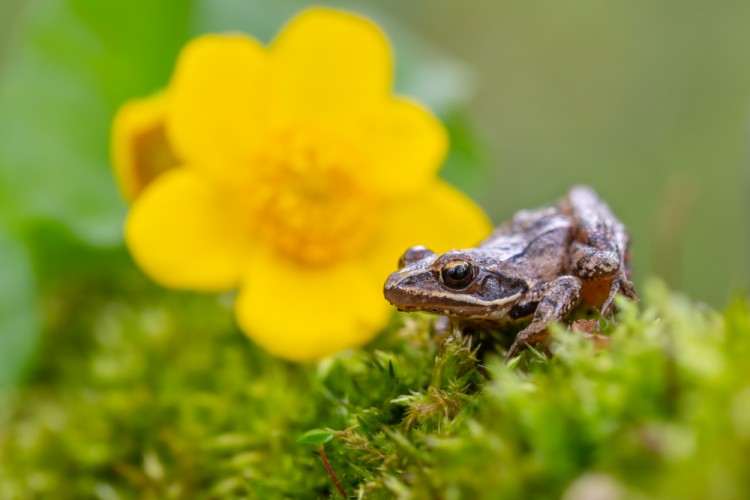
{"x":459,"y":283}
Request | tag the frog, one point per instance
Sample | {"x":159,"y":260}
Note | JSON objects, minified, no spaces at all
{"x":532,"y":270}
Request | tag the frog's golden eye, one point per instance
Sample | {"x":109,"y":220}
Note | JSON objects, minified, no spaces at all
{"x":457,"y":274}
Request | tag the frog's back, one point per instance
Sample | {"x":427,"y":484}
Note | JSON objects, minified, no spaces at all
{"x":539,"y":237}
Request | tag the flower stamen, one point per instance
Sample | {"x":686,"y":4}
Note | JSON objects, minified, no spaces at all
{"x":316,"y":206}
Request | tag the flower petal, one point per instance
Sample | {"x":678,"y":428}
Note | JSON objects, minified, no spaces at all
{"x":218,"y":102}
{"x":140,"y":150}
{"x":329,"y":63}
{"x":405,"y":145}
{"x":440,"y":218}
{"x":187,"y":232}
{"x":304,"y":314}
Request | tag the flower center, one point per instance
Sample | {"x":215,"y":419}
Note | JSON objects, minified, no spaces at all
{"x":152,"y":155}
{"x":312,"y":198}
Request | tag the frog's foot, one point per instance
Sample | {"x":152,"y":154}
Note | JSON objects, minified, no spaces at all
{"x":622,"y":285}
{"x":528,"y":336}
{"x":558,"y":300}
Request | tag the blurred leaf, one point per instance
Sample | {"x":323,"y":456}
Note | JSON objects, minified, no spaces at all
{"x":19,"y":323}
{"x":467,"y":166}
{"x":69,"y":66}
{"x":315,"y":436}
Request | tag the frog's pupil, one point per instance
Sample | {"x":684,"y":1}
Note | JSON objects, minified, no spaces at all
{"x":459,"y":272}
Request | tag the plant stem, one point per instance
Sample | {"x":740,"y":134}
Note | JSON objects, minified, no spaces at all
{"x":328,"y":467}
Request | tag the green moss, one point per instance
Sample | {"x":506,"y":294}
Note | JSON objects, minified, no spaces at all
{"x":152,"y":394}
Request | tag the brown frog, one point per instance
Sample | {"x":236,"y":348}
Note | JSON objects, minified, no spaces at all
{"x":538,"y":266}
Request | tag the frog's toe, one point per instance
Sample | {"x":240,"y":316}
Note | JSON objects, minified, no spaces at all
{"x":533,"y":334}
{"x":622,"y":285}
{"x":628,"y":289}
{"x":518,"y":346}
{"x":514,"y":351}
{"x":608,"y":308}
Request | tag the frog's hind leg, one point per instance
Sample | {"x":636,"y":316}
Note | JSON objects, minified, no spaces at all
{"x":599,"y":252}
{"x":561,"y":296}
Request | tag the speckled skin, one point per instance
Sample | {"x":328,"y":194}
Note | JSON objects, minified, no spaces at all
{"x":539,"y":265}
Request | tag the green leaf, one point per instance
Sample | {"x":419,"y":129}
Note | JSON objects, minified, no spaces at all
{"x":19,"y":318}
{"x":316,"y":437}
{"x":68,"y":68}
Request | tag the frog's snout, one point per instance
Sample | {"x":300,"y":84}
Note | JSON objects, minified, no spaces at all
{"x":394,"y":282}
{"x":399,"y":289}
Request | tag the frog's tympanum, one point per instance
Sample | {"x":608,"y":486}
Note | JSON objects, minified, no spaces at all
{"x":538,"y":266}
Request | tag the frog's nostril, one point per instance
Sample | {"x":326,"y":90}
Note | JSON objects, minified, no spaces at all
{"x":398,"y":280}
{"x":399,"y":289}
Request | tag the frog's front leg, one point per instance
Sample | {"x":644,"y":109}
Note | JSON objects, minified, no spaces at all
{"x":599,"y":252}
{"x":559,"y":298}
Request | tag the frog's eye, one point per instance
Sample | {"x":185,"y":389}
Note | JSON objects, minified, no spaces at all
{"x":413,"y":255}
{"x":457,"y":274}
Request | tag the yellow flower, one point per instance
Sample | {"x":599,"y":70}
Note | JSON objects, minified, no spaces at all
{"x":140,"y":149}
{"x":303,"y":180}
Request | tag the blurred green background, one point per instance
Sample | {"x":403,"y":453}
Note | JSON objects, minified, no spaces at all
{"x":117,"y":387}
{"x":646,"y":101}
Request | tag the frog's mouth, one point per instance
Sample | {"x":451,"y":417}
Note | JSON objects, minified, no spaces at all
{"x":461,"y":310}
{"x":409,"y":293}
